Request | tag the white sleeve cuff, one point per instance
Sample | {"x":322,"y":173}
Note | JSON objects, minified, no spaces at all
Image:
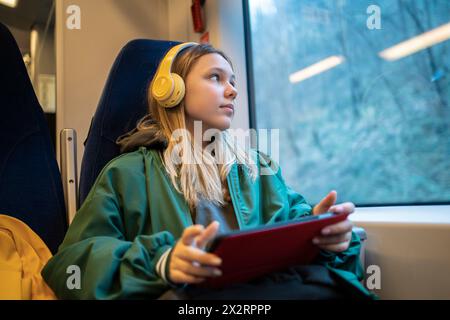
{"x":161,"y":265}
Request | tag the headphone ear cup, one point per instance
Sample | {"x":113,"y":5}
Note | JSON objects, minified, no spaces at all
{"x":177,"y":93}
{"x":162,"y":88}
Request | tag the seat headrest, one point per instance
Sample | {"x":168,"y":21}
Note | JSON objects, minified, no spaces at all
{"x":16,"y":92}
{"x":122,"y":104}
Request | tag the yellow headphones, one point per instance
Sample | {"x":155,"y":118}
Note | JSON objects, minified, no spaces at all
{"x":167,"y":87}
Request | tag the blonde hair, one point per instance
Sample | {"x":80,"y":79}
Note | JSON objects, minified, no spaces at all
{"x":204,"y":175}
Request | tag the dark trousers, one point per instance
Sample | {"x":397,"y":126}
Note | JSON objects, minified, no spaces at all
{"x":305,"y":282}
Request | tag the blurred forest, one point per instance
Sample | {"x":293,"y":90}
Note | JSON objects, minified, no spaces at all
{"x":376,"y":131}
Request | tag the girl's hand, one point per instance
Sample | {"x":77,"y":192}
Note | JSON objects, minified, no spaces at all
{"x":189,"y":262}
{"x":336,"y":237}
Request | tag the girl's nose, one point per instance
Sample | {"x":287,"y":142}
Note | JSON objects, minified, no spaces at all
{"x":231,"y":92}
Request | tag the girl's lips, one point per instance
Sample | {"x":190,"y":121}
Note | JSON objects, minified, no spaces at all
{"x":228,"y":106}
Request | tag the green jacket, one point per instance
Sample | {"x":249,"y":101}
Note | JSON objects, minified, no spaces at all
{"x":133,"y":214}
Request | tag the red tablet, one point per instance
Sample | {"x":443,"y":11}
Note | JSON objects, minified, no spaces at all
{"x":252,"y":253}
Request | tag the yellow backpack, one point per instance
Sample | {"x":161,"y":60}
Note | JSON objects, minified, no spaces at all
{"x":22,"y":256}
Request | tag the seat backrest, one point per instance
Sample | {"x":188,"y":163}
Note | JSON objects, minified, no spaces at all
{"x":122,"y":104}
{"x":30,"y":181}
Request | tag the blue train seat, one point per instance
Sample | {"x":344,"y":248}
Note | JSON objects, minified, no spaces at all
{"x":30,"y":182}
{"x":122,"y":104}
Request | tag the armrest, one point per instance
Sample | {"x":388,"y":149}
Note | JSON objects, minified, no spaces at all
{"x":68,"y":144}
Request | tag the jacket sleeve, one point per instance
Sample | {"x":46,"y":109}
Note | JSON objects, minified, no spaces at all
{"x":347,"y":260}
{"x":103,"y":258}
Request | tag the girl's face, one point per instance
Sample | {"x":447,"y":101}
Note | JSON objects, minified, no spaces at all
{"x":210,"y":93}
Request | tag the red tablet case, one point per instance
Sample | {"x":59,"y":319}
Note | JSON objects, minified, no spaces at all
{"x":250,"y":254}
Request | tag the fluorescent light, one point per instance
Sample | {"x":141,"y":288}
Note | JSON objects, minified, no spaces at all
{"x":316,"y":68}
{"x":420,"y":42}
{"x":9,"y":3}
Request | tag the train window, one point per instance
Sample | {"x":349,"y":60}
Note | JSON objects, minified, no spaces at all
{"x":360,"y":93}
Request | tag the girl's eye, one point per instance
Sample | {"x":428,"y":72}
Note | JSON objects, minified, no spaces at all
{"x":215,"y":76}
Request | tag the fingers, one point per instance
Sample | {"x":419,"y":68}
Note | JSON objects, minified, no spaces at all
{"x":187,"y":238}
{"x":196,"y":270}
{"x":336,"y":239}
{"x":177,"y":276}
{"x":189,"y":262}
{"x":338,"y":228}
{"x":325,"y":203}
{"x":347,"y":207}
{"x":208,"y":234}
{"x":192,"y":254}
{"x":340,"y":247}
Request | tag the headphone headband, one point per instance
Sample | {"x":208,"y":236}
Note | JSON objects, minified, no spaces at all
{"x":166,"y":63}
